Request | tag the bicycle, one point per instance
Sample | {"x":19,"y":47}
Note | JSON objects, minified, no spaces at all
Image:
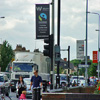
{"x":2,"y":94}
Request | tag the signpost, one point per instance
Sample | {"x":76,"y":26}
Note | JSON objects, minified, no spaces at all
{"x":42,"y":21}
{"x":83,"y":66}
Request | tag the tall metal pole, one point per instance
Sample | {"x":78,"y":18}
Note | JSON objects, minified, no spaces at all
{"x":86,"y":40}
{"x":68,"y":66}
{"x":52,"y":59}
{"x":98,"y":45}
{"x":58,"y":43}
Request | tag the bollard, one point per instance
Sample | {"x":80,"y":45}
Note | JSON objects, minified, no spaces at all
{"x":38,"y":93}
{"x":34,"y":94}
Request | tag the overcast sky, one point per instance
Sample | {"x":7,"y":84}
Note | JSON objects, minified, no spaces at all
{"x":18,"y":27}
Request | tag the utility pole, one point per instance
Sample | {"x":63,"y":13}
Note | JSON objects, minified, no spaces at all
{"x":68,"y":66}
{"x":86,"y":41}
{"x":53,"y":55}
{"x":58,"y":43}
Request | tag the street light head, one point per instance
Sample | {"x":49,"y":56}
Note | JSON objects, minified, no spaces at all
{"x":88,"y":12}
{"x":97,"y":30}
{"x":2,"y":17}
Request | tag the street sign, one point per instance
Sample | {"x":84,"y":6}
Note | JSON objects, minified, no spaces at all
{"x":83,"y":66}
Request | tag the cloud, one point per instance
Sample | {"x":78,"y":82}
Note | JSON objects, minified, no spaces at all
{"x":94,"y":5}
{"x":18,"y":27}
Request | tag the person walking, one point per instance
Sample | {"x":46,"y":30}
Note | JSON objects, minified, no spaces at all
{"x":21,"y":86}
{"x":36,"y":81}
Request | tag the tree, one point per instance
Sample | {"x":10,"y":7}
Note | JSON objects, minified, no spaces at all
{"x":92,"y":70}
{"x":6,"y":55}
{"x":75,"y":62}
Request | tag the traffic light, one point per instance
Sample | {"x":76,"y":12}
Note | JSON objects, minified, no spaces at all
{"x":48,"y":48}
{"x":89,"y":63}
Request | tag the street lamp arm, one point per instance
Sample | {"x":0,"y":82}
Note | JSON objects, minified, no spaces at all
{"x":94,"y":13}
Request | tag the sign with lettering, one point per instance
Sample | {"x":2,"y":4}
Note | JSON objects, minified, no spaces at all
{"x":80,"y":49}
{"x":95,"y":56}
{"x":42,"y":21}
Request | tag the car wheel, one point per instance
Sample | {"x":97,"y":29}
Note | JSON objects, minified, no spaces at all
{"x":63,"y":84}
{"x":12,"y":90}
{"x":17,"y":96}
{"x":7,"y":94}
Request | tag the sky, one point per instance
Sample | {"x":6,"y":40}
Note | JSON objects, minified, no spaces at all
{"x":18,"y":26}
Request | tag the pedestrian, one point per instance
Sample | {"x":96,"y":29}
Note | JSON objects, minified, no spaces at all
{"x":23,"y":96}
{"x":88,"y":81}
{"x":36,"y":81}
{"x":21,"y":86}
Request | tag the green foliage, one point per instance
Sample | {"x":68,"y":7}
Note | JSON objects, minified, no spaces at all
{"x":82,"y":71}
{"x":6,"y":55}
{"x":60,"y":70}
{"x":96,"y":90}
{"x":92,"y":70}
{"x":75,"y":62}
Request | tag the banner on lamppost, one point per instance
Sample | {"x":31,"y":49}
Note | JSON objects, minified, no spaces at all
{"x":42,"y":21}
{"x":80,"y":49}
{"x":95,"y":56}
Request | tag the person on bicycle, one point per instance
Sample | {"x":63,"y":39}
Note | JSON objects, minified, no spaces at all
{"x":36,"y":81}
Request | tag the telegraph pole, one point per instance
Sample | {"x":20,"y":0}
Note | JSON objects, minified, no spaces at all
{"x":53,"y":54}
{"x":68,"y":66}
{"x":58,"y":43}
{"x":86,"y":41}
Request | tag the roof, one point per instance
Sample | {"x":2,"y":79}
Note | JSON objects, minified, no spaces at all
{"x":64,"y":64}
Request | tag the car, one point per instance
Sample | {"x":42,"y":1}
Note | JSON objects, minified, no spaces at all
{"x":74,"y":82}
{"x":77,"y":77}
{"x":5,"y":83}
{"x":82,"y":83}
{"x":63,"y":80}
{"x":28,"y":92}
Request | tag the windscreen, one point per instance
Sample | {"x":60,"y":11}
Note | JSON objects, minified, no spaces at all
{"x":63,"y":77}
{"x":27,"y":81}
{"x":1,"y":79}
{"x":22,"y":67}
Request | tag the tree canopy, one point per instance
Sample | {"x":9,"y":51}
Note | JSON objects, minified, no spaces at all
{"x":6,"y":54}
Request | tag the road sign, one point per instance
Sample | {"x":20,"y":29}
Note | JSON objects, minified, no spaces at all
{"x":82,"y":66}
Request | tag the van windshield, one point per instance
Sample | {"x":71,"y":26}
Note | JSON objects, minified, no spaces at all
{"x":63,"y":77}
{"x":1,"y":79}
{"x":22,"y":67}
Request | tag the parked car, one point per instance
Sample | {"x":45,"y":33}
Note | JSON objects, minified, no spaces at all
{"x":74,"y":82}
{"x":75,"y":77}
{"x":5,"y":84}
{"x":82,"y":83}
{"x":29,"y":92}
{"x":63,"y":80}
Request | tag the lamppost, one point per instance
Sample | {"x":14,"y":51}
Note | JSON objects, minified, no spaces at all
{"x":98,"y":38}
{"x":86,"y":42}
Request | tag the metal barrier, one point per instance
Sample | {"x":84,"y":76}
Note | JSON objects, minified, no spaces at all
{"x":36,"y":94}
